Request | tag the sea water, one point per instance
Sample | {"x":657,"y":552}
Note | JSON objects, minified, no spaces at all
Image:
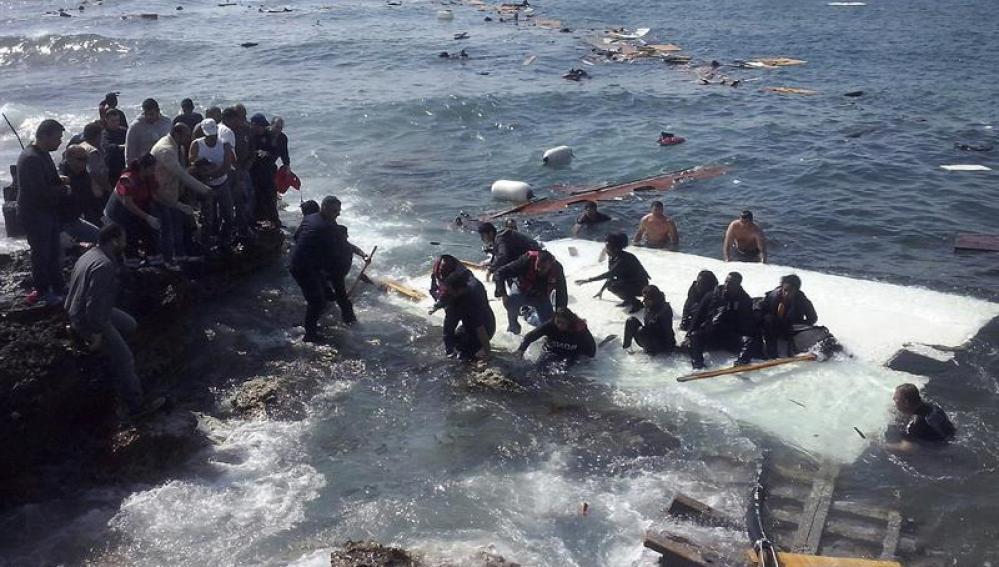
{"x":394,"y":443}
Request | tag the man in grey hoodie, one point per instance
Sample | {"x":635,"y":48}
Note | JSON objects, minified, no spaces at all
{"x":93,"y":289}
{"x":145,"y":131}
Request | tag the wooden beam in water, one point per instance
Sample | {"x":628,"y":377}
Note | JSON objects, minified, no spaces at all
{"x":684,"y":506}
{"x":893,"y":534}
{"x":679,"y":552}
{"x":980,"y":242}
{"x":747,"y":367}
{"x":813,"y":517}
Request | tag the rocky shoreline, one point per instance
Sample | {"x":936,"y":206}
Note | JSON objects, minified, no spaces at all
{"x":58,"y":424}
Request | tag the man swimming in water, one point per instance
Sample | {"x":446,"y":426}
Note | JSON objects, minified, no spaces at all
{"x":745,"y":241}
{"x":590,"y":217}
{"x":658,"y":230}
{"x":928,"y":425}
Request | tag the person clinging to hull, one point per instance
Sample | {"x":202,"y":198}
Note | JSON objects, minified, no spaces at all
{"x":744,"y":240}
{"x":656,"y":230}
{"x":625,"y":276}
{"x":323,"y":254}
{"x":924,"y":423}
{"x":534,"y":278}
{"x":567,"y":338}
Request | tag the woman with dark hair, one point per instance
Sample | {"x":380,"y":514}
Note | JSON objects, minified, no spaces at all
{"x":566,"y":339}
{"x":625,"y":276}
{"x":113,"y":143}
{"x":655,"y":334}
{"x":131,"y":206}
{"x":705,"y":283}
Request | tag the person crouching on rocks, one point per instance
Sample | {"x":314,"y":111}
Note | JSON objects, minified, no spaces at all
{"x":131,"y":206}
{"x":93,"y":287}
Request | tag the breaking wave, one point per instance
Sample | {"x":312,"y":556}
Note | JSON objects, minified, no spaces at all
{"x":58,"y":49}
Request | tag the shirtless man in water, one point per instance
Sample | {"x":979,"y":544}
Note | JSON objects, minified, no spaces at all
{"x":658,"y":229}
{"x":744,"y":241}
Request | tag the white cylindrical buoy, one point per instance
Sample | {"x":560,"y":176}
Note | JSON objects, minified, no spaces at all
{"x":516,"y":191}
{"x":560,"y":155}
{"x":445,"y":15}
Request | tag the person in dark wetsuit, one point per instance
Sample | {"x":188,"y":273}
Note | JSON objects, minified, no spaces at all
{"x":469,"y":323}
{"x":538,"y":274}
{"x":724,"y":319}
{"x":784,"y":309}
{"x":705,"y":283}
{"x":655,"y":334}
{"x":505,"y":246}
{"x":590,"y":217}
{"x":322,"y":253}
{"x":625,"y":276}
{"x":928,"y":425}
{"x":566,"y":339}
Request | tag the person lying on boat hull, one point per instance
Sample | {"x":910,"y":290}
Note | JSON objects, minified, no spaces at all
{"x":625,"y":276}
{"x":785,"y":309}
{"x":566,"y":339}
{"x":724,"y":319}
{"x":927,"y":424}
{"x":534,"y":277}
{"x":655,"y":333}
{"x":469,"y":323}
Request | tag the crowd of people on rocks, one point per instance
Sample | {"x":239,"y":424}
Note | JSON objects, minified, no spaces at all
{"x":158,"y":192}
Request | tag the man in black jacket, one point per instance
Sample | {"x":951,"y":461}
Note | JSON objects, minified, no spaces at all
{"x":655,"y":333}
{"x":566,"y":339}
{"x":537,"y":274}
{"x":505,"y":246}
{"x":705,"y":283}
{"x":724,"y":319}
{"x":625,"y":276}
{"x":41,"y":192}
{"x":322,"y":253}
{"x":784,"y":309}
{"x":469,"y":323}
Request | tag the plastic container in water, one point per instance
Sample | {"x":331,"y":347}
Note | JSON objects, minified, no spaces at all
{"x":507,"y":190}
{"x":445,"y":15}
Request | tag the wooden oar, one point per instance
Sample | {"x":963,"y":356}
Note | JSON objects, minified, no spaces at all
{"x":747,"y":367}
{"x":364,"y":269}
{"x":402,"y":289}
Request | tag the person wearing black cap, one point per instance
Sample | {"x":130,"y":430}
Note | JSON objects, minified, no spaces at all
{"x":188,"y":115}
{"x":625,"y":276}
{"x":39,"y":199}
{"x":744,"y":241}
{"x":146,"y":131}
{"x":263,"y":170}
{"x":724,"y":319}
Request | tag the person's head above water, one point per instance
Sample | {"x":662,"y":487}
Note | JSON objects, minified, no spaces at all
{"x":150,"y":110}
{"x":907,"y":399}
{"x":706,"y":280}
{"x":487,"y":232}
{"x":590,"y":207}
{"x":790,"y":284}
{"x":48,"y":135}
{"x":746,"y":216}
{"x":510,"y":224}
{"x":330,"y":209}
{"x":616,"y":242}
{"x":656,"y":207}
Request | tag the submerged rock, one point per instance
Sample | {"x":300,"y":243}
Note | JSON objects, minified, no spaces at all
{"x":371,"y":554}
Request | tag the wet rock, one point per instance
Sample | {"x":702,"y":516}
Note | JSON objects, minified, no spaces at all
{"x":254,"y":398}
{"x":146,"y":449}
{"x":493,"y":378}
{"x":371,"y":554}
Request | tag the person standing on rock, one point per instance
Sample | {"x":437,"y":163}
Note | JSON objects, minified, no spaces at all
{"x":41,"y":193}
{"x":93,"y":288}
{"x":322,"y":253}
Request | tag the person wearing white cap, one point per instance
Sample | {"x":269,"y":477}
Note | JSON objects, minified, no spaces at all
{"x":213,"y":159}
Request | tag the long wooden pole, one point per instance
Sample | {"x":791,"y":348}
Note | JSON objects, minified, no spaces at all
{"x":364,"y":269}
{"x":747,"y":367}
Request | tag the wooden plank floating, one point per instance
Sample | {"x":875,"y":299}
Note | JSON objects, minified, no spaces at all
{"x":813,"y":518}
{"x":980,"y":242}
{"x":747,"y":367}
{"x":684,"y":506}
{"x":679,"y":552}
{"x":799,"y":560}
